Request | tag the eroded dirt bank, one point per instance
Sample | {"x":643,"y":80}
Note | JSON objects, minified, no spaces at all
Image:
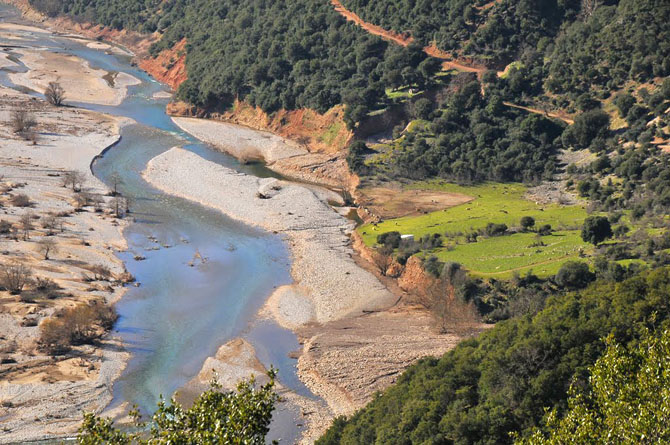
{"x":322,"y":134}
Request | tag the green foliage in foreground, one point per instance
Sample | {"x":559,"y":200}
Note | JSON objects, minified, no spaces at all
{"x":216,"y":417}
{"x":502,"y":381}
{"x":627,"y":400}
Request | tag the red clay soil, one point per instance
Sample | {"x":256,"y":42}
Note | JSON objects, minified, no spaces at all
{"x":169,"y":66}
{"x":489,"y":5}
{"x":450,"y":62}
{"x":319,"y":133}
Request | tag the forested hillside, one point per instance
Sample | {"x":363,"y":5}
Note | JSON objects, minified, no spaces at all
{"x":502,"y":381}
{"x":274,"y":54}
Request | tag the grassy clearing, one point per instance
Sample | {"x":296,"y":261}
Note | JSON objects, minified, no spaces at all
{"x":494,"y":203}
{"x":405,"y":92}
{"x":616,"y":121}
{"x":500,"y":257}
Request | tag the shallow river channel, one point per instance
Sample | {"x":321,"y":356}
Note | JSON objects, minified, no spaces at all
{"x":181,"y":313}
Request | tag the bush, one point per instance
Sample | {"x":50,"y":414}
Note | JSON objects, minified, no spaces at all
{"x":14,"y":277}
{"x":55,"y":94}
{"x":493,"y":229}
{"x":356,"y":157}
{"x":22,"y":121}
{"x":574,"y":275}
{"x":47,"y":287}
{"x":433,"y":266}
{"x":544,"y":230}
{"x":77,"y":325}
{"x":5,"y":227}
{"x":20,"y":200}
{"x":390,"y":239}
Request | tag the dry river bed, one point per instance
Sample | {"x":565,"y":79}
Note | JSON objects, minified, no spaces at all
{"x":41,"y":395}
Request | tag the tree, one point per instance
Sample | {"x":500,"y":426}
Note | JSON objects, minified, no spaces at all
{"x":527,"y":222}
{"x":115,"y":180}
{"x":356,"y":157}
{"x":74,"y":179}
{"x":421,"y":109}
{"x":574,"y":275}
{"x":47,"y":246}
{"x":588,"y":126}
{"x":22,"y":122}
{"x":51,"y":223}
{"x":26,"y":222}
{"x":596,"y":229}
{"x":627,"y":400}
{"x":216,"y":416}
{"x":118,"y":206}
{"x":55,"y":94}
{"x":624,"y":102}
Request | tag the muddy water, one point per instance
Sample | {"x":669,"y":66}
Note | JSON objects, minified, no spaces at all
{"x":202,"y":276}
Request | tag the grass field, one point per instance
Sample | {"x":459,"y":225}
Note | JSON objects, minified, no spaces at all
{"x":498,"y":256}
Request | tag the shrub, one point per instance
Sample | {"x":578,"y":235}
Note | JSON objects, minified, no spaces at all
{"x":76,"y":325}
{"x":5,"y":227}
{"x":391,"y":239}
{"x":47,"y":287}
{"x":433,"y":266}
{"x":14,"y":277}
{"x":493,"y":229}
{"x":22,"y":121}
{"x":20,"y":200}
{"x":544,"y":230}
{"x":55,"y":94}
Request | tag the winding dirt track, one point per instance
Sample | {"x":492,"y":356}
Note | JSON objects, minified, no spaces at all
{"x":449,"y":61}
{"x":555,"y":115}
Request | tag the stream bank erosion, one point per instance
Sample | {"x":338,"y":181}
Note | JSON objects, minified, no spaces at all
{"x":42,"y":396}
{"x":356,"y":340}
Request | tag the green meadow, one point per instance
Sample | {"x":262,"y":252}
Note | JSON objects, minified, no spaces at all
{"x":496,"y":256}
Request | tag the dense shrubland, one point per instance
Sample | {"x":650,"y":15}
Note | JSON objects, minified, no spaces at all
{"x":502,"y":381}
{"x":473,"y":137}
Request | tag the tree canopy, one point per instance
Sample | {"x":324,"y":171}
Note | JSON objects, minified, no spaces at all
{"x":502,"y":381}
{"x":216,"y":417}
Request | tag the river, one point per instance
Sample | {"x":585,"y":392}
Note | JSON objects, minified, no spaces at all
{"x":181,"y":313}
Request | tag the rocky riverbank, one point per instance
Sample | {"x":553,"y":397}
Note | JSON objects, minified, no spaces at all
{"x":43,"y":395}
{"x":356,"y":339}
